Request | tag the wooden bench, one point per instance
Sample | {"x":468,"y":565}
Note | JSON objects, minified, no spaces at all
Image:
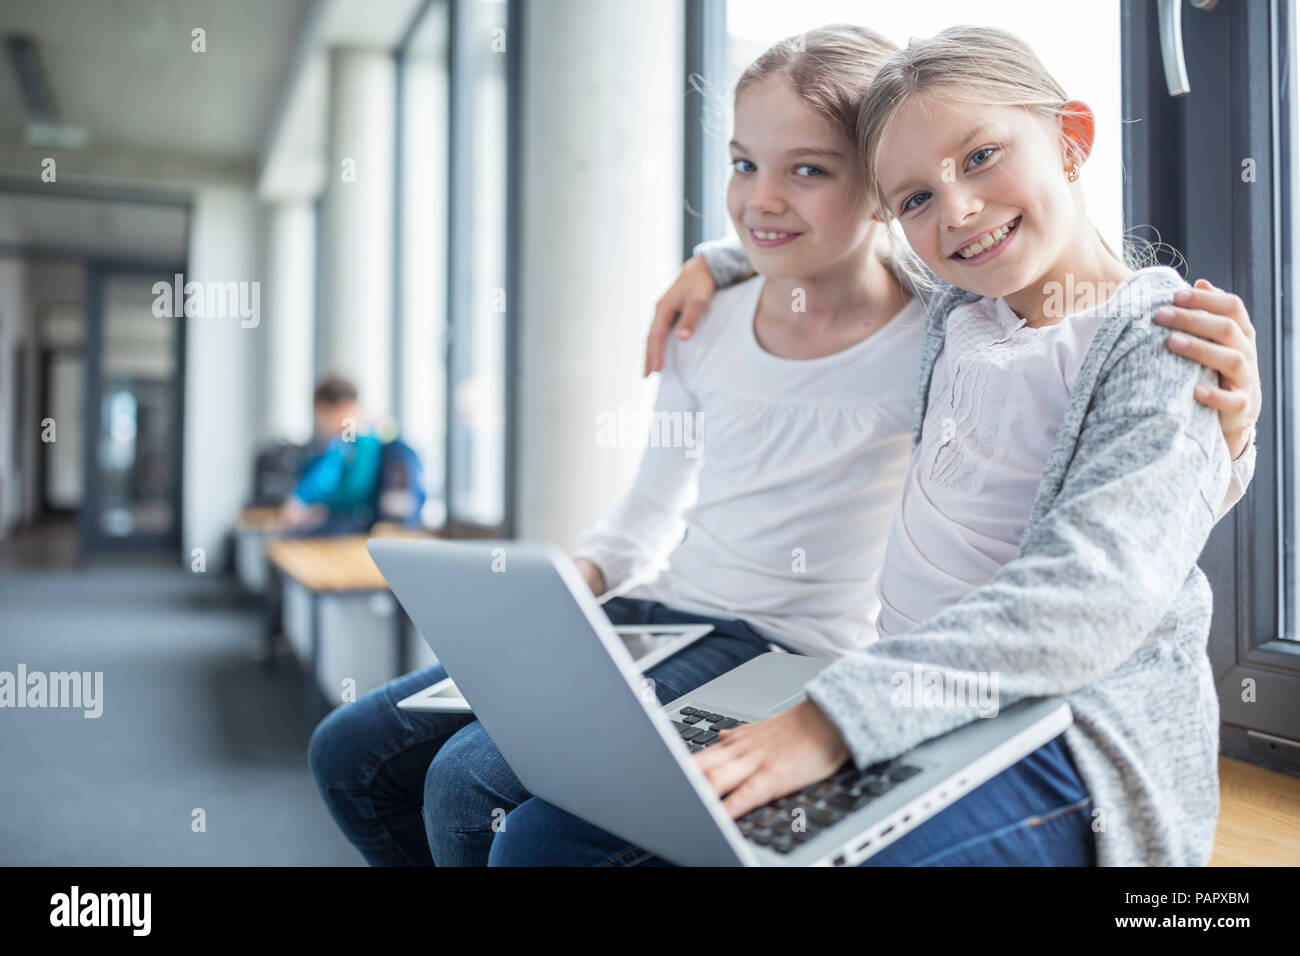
{"x":339,"y":616}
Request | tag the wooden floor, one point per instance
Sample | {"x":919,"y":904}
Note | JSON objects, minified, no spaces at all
{"x":1259,"y":817}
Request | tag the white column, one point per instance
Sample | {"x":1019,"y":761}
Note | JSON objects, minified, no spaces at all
{"x":603,"y":94}
{"x":288,"y":320}
{"x":221,"y":371}
{"x":357,"y":326}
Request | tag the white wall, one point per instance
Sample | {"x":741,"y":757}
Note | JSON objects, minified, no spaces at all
{"x":55,"y":303}
{"x":221,"y":370}
{"x":56,"y":300}
{"x":603,"y":89}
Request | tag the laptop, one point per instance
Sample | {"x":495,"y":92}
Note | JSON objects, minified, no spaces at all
{"x":649,"y":645}
{"x":522,"y":635}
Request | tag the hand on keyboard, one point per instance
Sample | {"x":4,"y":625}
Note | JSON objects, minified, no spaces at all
{"x":755,"y":763}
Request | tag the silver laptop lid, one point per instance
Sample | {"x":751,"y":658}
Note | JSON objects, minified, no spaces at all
{"x":532,"y":651}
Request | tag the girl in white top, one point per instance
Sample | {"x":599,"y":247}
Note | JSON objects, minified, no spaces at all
{"x":797,"y":483}
{"x":802,"y":385}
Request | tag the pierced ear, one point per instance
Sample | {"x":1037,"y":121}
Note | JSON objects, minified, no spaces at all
{"x":1079,"y":128}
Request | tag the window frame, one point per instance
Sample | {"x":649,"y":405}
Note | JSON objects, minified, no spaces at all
{"x":460,"y":225}
{"x":706,"y":72}
{"x":433,"y":481}
{"x":1233,"y":237}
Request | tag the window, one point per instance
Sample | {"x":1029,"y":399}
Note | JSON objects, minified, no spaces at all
{"x":457,"y":66}
{"x":1086,"y":62}
{"x":1215,"y":170}
{"x":484,"y":47}
{"x":421,"y":209}
{"x":1288,"y":149}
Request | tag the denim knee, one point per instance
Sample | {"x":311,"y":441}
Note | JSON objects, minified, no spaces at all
{"x":442,"y":787}
{"x":528,"y":837}
{"x":328,"y":751}
{"x":468,"y":789}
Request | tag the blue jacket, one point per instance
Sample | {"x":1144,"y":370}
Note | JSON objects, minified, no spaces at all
{"x":346,"y":476}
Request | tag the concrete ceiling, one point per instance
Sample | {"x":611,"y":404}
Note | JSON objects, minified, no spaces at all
{"x":250,"y":111}
{"x":124,"y":71}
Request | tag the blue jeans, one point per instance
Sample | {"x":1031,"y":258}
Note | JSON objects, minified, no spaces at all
{"x":1035,"y":813}
{"x":374,"y":764}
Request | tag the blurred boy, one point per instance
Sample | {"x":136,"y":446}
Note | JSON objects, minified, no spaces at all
{"x":336,"y":494}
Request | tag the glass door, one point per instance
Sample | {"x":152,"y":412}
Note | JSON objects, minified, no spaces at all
{"x":133,"y":409}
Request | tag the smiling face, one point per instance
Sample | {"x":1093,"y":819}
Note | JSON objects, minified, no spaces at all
{"x":797,"y":194}
{"x":981,"y":193}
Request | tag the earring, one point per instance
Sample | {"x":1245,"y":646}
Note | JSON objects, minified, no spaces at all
{"x":1073,"y":174}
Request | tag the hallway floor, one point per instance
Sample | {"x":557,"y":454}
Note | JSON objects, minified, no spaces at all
{"x":190,"y":720}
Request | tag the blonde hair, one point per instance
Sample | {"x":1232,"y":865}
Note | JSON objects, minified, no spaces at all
{"x":965,"y":64}
{"x":830,"y":69}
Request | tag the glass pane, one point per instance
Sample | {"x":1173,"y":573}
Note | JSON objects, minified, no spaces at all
{"x":422,"y":252}
{"x":478,"y":351}
{"x":1285,"y":331}
{"x":136,"y":446}
{"x":1086,"y":62}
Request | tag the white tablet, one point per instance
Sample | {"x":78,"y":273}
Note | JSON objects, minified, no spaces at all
{"x":649,"y":644}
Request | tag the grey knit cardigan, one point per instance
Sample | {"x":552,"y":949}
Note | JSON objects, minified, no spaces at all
{"x":1104,"y":604}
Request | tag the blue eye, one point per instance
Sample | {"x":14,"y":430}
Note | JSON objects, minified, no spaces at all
{"x":910,"y":202}
{"x":816,"y":171}
{"x":738,"y":164}
{"x":985,"y":151}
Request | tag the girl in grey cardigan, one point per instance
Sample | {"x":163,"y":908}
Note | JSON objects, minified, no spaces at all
{"x":976,"y":151}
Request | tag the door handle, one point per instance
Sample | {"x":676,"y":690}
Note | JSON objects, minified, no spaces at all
{"x":1170,"y":15}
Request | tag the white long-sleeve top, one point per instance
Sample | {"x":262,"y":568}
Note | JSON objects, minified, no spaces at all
{"x":783,"y":474}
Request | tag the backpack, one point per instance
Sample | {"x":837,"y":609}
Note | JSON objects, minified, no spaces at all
{"x":400,"y":496}
{"x":276,"y":470}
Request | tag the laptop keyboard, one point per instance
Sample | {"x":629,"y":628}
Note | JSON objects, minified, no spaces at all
{"x":777,"y":825}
